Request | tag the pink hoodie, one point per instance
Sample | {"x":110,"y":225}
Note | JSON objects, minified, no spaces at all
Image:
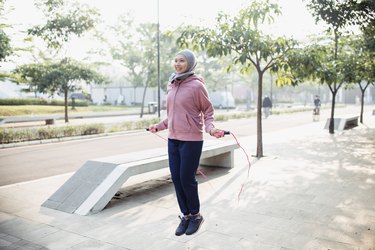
{"x":188,"y":108}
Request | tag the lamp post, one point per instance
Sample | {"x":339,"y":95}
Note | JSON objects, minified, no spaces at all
{"x":158,"y":42}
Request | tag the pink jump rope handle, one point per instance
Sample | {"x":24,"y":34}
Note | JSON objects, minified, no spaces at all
{"x":222,"y":133}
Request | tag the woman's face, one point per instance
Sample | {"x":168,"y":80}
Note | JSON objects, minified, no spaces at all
{"x":180,"y":64}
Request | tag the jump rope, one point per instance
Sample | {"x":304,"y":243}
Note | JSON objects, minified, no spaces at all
{"x":222,"y":133}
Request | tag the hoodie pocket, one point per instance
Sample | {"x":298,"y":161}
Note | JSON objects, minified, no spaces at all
{"x":193,"y":125}
{"x":181,"y":123}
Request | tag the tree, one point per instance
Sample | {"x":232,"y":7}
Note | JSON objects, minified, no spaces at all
{"x":242,"y":37}
{"x":338,"y":15}
{"x":213,"y":71}
{"x":64,"y":76}
{"x":64,"y":22}
{"x":135,"y":48}
{"x":5,"y":47}
{"x":363,"y":66}
{"x":60,"y":73}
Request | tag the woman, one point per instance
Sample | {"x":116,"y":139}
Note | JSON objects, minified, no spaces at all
{"x":189,"y":110}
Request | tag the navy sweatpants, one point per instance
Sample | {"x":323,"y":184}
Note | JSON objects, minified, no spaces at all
{"x":184,"y":159}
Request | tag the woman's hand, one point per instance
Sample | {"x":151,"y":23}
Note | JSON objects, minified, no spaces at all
{"x":153,"y":129}
{"x":218,"y":133}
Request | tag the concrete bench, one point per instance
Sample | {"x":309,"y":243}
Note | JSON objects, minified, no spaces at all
{"x":345,"y":122}
{"x":49,"y":120}
{"x":92,"y":186}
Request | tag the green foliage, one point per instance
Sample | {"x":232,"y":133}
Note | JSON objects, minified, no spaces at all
{"x":24,"y":110}
{"x":240,"y":36}
{"x":23,"y":101}
{"x":339,"y":14}
{"x":19,"y":135}
{"x":369,"y":36}
{"x":58,"y":77}
{"x":330,"y":11}
{"x":135,"y":49}
{"x":63,"y":76}
{"x":63,"y":22}
{"x":321,"y":63}
{"x":5,"y":48}
{"x":9,"y":135}
{"x":39,"y":101}
{"x":362,"y":64}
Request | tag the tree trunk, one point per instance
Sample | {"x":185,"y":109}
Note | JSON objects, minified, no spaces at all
{"x":66,"y":105}
{"x":363,"y":90}
{"x":334,"y":90}
{"x":259,"y":153}
{"x":362,"y":103}
{"x":332,"y":119}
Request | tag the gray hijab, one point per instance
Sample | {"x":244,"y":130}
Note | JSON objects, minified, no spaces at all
{"x":191,"y":61}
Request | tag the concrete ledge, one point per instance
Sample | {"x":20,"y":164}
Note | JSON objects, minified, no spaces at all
{"x":91,"y":188}
{"x":14,"y":119}
{"x":342,"y":123}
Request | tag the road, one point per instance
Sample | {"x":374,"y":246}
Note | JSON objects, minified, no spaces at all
{"x":27,"y":163}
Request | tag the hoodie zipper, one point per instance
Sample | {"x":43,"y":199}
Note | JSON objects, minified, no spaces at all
{"x":174,"y":104}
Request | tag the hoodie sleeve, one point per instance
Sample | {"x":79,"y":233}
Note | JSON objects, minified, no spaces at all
{"x":205,"y":105}
{"x":162,"y":125}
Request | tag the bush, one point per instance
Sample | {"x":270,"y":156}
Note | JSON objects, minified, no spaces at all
{"x":12,"y":135}
{"x":92,"y":129}
{"x":133,"y":125}
{"x":23,"y":101}
{"x":46,"y":133}
{"x":9,"y":135}
{"x":69,"y":131}
{"x":40,"y":101}
{"x":78,"y":103}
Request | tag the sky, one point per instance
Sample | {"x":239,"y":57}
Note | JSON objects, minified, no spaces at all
{"x":296,"y":22}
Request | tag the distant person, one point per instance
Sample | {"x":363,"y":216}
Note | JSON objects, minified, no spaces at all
{"x":267,"y":105}
{"x":316,"y":111}
{"x":189,"y":111}
{"x":317,"y":102}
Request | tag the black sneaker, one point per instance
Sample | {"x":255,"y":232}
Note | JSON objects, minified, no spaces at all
{"x":194,"y":224}
{"x":182,"y":226}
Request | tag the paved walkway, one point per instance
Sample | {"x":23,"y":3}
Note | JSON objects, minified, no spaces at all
{"x":313,"y":190}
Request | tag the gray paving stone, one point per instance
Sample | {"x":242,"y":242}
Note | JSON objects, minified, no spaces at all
{"x":328,"y":244}
{"x":94,"y":244}
{"x":296,"y":198}
{"x":60,"y":240}
{"x":9,"y":238}
{"x":4,"y":243}
{"x":11,"y":242}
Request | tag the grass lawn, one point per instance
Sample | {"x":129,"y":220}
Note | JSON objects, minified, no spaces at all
{"x":24,"y":110}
